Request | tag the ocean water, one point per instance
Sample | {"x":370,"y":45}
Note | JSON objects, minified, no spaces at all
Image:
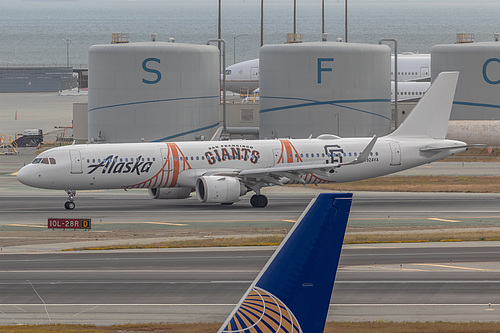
{"x":33,"y":32}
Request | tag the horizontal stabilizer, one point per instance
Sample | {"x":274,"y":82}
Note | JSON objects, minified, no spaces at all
{"x":292,"y":292}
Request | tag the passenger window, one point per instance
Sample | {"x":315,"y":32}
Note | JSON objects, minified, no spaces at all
{"x":203,"y":158}
{"x":197,"y":158}
{"x":52,"y":160}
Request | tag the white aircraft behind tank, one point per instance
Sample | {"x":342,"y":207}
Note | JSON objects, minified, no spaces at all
{"x":222,"y":171}
{"x":409,"y":91}
{"x":243,"y":77}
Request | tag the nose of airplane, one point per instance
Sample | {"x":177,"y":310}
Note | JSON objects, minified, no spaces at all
{"x":25,"y":176}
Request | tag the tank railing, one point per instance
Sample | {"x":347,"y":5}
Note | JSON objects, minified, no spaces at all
{"x":294,"y":38}
{"x":465,"y":38}
{"x":120,"y":38}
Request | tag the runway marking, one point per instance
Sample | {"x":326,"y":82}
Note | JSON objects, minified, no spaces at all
{"x":14,"y":174}
{"x":456,"y":267}
{"x":26,"y":225}
{"x":444,"y":220}
{"x":92,"y":308}
{"x":167,"y":223}
{"x":292,"y":221}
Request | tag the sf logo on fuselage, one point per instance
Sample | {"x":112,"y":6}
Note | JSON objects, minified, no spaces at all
{"x":335,"y":153}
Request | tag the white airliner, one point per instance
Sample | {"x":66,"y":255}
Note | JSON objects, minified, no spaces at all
{"x":409,"y":91}
{"x":222,"y":171}
{"x":412,"y":67}
{"x":243,"y":77}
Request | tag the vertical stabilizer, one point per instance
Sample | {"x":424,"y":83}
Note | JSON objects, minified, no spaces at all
{"x":430,"y":116}
{"x":292,"y":292}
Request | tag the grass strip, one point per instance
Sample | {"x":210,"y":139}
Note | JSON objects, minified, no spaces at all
{"x":463,"y":184}
{"x":354,"y":238}
{"x":332,"y":327}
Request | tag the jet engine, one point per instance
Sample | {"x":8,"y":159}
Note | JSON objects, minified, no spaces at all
{"x":221,"y":189}
{"x":169,"y":192}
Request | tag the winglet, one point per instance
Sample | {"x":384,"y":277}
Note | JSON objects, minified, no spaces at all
{"x":365,"y":153}
{"x":430,"y":117}
{"x":292,"y":292}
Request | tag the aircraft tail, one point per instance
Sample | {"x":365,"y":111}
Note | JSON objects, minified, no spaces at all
{"x":292,"y":292}
{"x":431,"y":115}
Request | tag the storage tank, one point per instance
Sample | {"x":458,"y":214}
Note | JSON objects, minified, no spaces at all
{"x":153,"y":91}
{"x":324,"y":87}
{"x":478,"y":90}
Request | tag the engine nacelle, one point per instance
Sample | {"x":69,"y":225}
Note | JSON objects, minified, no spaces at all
{"x":169,"y":192}
{"x":221,"y":189}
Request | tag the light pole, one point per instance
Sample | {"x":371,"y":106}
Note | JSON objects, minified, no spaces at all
{"x":67,"y":41}
{"x":234,"y":47}
{"x":395,"y":118}
{"x":223,"y":42}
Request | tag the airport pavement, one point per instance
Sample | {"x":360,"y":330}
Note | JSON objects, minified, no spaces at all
{"x":420,"y":282}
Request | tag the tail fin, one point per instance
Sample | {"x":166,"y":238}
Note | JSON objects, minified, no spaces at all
{"x":430,"y":116}
{"x":292,"y":292}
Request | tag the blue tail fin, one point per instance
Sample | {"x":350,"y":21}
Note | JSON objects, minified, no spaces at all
{"x":292,"y":292}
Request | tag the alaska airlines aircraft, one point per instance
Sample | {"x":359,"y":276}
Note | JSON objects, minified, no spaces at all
{"x":222,"y":171}
{"x":243,"y":77}
{"x":292,"y":292}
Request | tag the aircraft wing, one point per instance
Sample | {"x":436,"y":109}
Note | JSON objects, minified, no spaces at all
{"x":272,"y":175}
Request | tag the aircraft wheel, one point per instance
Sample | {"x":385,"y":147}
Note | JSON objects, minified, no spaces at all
{"x":69,"y":205}
{"x":258,"y":201}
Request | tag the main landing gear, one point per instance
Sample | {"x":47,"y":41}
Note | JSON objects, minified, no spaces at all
{"x":258,"y":201}
{"x":70,"y":205}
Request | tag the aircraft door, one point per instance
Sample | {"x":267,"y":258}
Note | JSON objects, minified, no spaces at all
{"x":424,"y":71}
{"x":395,"y":153}
{"x":164,"y":156}
{"x":254,"y":73}
{"x":277,"y":156}
{"x":76,"y":161}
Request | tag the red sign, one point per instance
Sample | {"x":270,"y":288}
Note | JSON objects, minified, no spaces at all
{"x":69,"y":223}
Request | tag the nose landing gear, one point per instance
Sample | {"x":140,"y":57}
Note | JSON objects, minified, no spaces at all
{"x":70,"y":205}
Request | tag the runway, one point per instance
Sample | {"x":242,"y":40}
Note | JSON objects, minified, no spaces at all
{"x":414,"y":282}
{"x":374,"y":282}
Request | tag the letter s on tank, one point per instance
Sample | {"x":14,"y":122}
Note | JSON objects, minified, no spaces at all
{"x":151,"y":70}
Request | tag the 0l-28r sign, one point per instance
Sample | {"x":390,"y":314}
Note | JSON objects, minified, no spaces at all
{"x":69,"y":223}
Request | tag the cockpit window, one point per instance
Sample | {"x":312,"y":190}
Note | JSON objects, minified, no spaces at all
{"x":45,"y":161}
{"x":52,"y":160}
{"x":228,"y":72}
{"x":37,"y":160}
